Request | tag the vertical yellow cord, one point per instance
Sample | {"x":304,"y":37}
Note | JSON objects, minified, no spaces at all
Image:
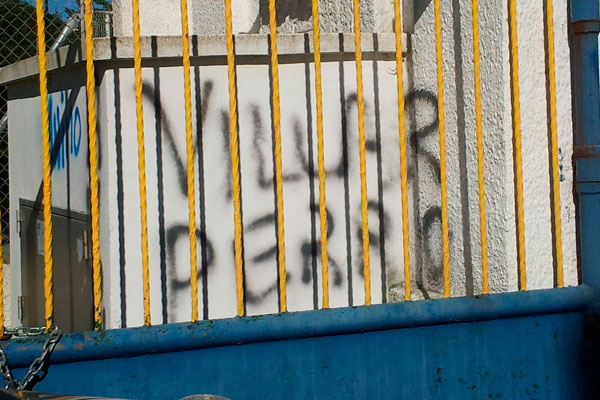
{"x":189,"y":141}
{"x":442,"y":130}
{"x":47,"y":178}
{"x":560,"y":281}
{"x":139,"y":109}
{"x":235,"y":160}
{"x":514,"y":56}
{"x":402,"y":134}
{"x":1,"y":283}
{"x":362,"y":156}
{"x":321,"y":152}
{"x":278,"y":162}
{"x":93,"y":145}
{"x":480,"y":159}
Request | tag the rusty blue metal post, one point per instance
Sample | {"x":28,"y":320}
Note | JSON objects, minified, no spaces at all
{"x":585,"y":26}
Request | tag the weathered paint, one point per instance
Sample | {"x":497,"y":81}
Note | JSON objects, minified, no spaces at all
{"x":457,"y":361}
{"x":585,"y":26}
{"x":464,"y":348}
{"x":586,"y":97}
{"x":290,"y":326}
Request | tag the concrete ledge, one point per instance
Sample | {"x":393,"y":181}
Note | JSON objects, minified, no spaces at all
{"x":164,"y":47}
{"x":207,"y":334}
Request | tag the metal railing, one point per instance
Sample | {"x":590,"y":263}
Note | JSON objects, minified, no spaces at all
{"x":277,"y":159}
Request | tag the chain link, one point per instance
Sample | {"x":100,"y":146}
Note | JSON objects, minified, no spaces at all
{"x":9,"y":379}
{"x":23,"y":331}
{"x":38,"y":368}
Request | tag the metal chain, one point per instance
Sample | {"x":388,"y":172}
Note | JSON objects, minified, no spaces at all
{"x":9,"y":379}
{"x":38,"y":368}
{"x":23,"y":331}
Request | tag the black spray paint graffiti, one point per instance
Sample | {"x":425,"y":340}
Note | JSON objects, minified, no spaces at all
{"x":429,"y":272}
{"x":310,"y":247}
{"x":176,"y":232}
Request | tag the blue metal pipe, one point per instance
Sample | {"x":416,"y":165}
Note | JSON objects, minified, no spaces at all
{"x":188,"y":336}
{"x":582,"y":10}
{"x":585,"y":26}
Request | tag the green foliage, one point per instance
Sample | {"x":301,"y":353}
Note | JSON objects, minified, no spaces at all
{"x":18,"y":30}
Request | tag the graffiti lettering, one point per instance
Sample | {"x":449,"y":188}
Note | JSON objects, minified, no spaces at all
{"x":262,"y":223}
{"x":70,"y":144}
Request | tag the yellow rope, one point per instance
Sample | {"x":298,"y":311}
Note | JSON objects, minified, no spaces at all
{"x":480,"y":159}
{"x":442,"y":129}
{"x":554,"y":144}
{"x":321,"y":152}
{"x":93,"y":144}
{"x":47,"y":178}
{"x":137,"y":62}
{"x":514,"y":55}
{"x":1,"y":284}
{"x":278,"y":162}
{"x":361,"y":148}
{"x":402,"y":133}
{"x":189,"y":141}
{"x":235,"y":160}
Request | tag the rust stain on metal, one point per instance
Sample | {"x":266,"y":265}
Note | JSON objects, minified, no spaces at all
{"x":586,"y":151}
{"x":588,"y":26}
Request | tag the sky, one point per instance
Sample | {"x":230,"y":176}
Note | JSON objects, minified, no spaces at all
{"x":58,"y":6}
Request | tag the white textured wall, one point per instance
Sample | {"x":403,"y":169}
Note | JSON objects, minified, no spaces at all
{"x":9,"y":319}
{"x":167,"y":202}
{"x":165,"y":152}
{"x":250,"y":16}
{"x":461,"y":144}
{"x":69,"y":177}
{"x":157,"y":17}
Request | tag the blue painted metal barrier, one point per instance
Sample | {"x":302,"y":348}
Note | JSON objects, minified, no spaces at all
{"x":514,"y":345}
{"x":585,"y":26}
{"x":585,"y":16}
{"x":292,"y":326}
